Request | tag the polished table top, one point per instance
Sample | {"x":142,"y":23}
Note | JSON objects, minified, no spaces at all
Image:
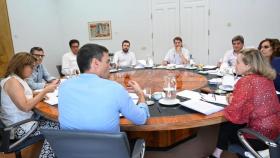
{"x":168,"y":118}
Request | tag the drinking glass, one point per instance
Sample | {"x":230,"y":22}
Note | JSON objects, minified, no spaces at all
{"x":148,"y":93}
{"x":67,"y":72}
{"x":169,"y":87}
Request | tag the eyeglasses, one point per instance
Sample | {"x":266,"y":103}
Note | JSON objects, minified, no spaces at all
{"x":38,"y":55}
{"x":74,"y":46}
{"x":265,"y":47}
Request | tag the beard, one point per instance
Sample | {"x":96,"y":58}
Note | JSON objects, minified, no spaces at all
{"x":125,"y":50}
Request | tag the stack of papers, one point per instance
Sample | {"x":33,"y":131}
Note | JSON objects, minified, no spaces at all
{"x":52,"y":98}
{"x":201,"y":106}
{"x":189,"y":94}
{"x":213,"y":98}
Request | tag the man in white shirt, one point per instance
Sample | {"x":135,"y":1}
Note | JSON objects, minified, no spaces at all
{"x":69,"y":60}
{"x":177,"y":55}
{"x":124,"y":57}
{"x":229,"y":59}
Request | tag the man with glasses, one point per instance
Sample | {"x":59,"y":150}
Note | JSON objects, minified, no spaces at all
{"x":69,"y":60}
{"x":40,"y":77}
{"x":230,"y":56}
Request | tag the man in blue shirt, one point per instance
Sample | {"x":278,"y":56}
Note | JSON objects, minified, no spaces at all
{"x":40,"y":76}
{"x":92,"y":102}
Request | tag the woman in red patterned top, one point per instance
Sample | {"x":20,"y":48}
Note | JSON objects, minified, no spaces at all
{"x":253,"y":104}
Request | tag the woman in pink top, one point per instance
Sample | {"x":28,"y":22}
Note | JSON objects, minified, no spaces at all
{"x":253,"y":104}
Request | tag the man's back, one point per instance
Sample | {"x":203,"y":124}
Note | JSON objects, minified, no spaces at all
{"x":89,"y":102}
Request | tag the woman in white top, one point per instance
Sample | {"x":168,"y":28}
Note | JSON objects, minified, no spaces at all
{"x":17,"y":99}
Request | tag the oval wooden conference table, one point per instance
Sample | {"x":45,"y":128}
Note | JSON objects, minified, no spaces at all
{"x":165,"y":127}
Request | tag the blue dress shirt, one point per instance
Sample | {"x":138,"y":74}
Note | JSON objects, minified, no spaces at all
{"x":88,"y":102}
{"x":38,"y":78}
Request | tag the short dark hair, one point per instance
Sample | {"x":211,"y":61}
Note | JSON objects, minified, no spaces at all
{"x":125,"y":41}
{"x":238,"y":38}
{"x":87,"y":53}
{"x":32,"y":50}
{"x":73,"y":41}
{"x":177,"y":39}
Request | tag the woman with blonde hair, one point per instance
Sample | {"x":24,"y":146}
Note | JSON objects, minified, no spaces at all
{"x":17,"y":99}
{"x":253,"y":103}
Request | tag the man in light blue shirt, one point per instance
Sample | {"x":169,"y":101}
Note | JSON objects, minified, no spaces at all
{"x":92,"y":102}
{"x":40,"y":76}
{"x":178,"y":54}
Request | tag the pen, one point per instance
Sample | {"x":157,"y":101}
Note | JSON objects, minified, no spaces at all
{"x":158,"y":109}
{"x":214,"y":96}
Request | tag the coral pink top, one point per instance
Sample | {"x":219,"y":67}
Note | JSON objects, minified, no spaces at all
{"x":255,"y":103}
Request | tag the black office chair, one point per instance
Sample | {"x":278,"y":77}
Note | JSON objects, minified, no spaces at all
{"x":273,"y":146}
{"x":8,"y":145}
{"x":83,"y":144}
{"x":59,"y":69}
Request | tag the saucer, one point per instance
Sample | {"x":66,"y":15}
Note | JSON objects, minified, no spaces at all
{"x":113,"y":70}
{"x":190,"y":67}
{"x":219,"y":91}
{"x":148,"y":66}
{"x":203,"y":72}
{"x":165,"y":101}
{"x":226,"y":87}
{"x":170,"y":68}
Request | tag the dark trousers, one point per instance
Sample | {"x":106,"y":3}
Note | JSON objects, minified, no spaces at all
{"x":228,"y":135}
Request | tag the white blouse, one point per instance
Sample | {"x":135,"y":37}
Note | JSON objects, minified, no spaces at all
{"x":9,"y":112}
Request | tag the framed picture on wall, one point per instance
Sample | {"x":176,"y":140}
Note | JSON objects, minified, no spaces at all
{"x":100,"y":30}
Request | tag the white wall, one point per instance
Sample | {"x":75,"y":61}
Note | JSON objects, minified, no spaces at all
{"x":52,"y":23}
{"x":35,"y":23}
{"x":254,"y":19}
{"x":130,"y":20}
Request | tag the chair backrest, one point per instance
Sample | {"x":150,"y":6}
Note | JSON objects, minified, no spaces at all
{"x":59,"y":69}
{"x":273,"y":146}
{"x":83,"y":144}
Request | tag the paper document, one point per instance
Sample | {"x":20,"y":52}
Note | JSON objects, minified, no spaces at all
{"x":52,"y":98}
{"x":201,"y":106}
{"x":189,"y":94}
{"x":214,"y":98}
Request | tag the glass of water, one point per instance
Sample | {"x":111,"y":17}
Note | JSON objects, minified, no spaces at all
{"x":169,"y":87}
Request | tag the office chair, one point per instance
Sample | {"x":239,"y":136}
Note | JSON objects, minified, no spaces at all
{"x":15,"y":146}
{"x":83,"y":144}
{"x":247,"y":151}
{"x":59,"y":69}
{"x":9,"y":146}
